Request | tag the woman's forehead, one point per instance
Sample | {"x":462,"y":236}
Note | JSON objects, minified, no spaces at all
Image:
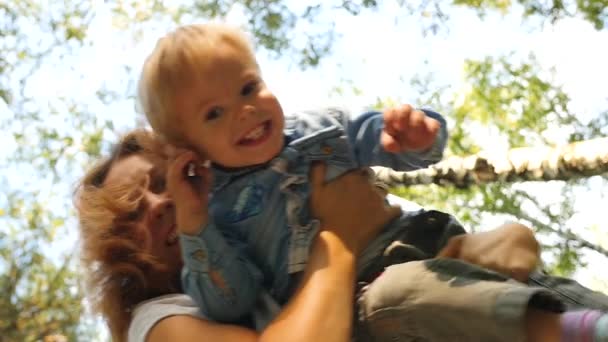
{"x":128,"y":169}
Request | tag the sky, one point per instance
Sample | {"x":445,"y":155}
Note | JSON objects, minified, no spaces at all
{"x":378,"y":54}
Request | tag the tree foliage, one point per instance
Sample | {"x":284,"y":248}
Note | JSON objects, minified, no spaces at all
{"x":49,"y":139}
{"x":522,"y":107}
{"x":592,"y":10}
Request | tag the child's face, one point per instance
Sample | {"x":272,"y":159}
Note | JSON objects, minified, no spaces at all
{"x":229,"y":115}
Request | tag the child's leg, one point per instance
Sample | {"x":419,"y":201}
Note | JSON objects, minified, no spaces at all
{"x":571,"y":326}
{"x":584,"y":325}
{"x":586,"y":318}
{"x":542,"y":326}
{"x":587,"y":315}
{"x":448,"y":300}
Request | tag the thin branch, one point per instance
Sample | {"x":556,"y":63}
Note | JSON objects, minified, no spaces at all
{"x":565,"y":234}
{"x":576,"y":160}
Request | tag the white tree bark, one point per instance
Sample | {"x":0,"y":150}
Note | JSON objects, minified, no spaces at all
{"x":576,"y":160}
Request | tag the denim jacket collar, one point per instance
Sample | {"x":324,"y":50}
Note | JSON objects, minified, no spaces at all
{"x":222,"y":176}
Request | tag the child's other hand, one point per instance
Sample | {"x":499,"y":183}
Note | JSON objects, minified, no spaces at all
{"x":510,"y":249}
{"x":190,"y":193}
{"x":408,"y":129}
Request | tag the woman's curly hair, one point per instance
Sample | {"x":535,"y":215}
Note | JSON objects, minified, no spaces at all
{"x":119,"y":273}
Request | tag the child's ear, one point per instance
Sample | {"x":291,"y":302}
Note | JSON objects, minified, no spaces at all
{"x":170,"y":147}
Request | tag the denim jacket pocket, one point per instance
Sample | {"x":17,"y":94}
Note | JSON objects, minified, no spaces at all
{"x":333,"y":148}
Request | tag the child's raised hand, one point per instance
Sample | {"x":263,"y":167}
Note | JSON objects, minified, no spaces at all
{"x":408,"y":129}
{"x":189,"y":182}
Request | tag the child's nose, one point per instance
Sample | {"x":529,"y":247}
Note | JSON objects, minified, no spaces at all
{"x":246,"y":111}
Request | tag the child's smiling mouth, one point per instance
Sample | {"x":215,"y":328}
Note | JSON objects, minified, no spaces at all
{"x":257,"y":135}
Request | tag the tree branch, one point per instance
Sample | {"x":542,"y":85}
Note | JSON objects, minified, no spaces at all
{"x":565,"y":234}
{"x":576,"y":160}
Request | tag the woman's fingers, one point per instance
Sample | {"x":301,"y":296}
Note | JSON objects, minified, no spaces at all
{"x":317,"y":175}
{"x":349,"y":206}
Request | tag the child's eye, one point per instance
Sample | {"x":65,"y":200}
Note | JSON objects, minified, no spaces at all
{"x":249,"y":88}
{"x":214,"y":113}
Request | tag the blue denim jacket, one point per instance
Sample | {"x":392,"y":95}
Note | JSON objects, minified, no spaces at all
{"x":260,"y":228}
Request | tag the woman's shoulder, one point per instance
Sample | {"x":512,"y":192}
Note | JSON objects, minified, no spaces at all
{"x":150,"y":312}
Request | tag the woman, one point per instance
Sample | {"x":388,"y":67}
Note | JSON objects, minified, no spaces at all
{"x":131,"y":253}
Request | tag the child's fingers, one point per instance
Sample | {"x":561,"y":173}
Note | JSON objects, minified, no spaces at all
{"x":432,"y":125}
{"x":185,"y":159}
{"x":389,"y":143}
{"x":405,"y":117}
{"x":178,"y":168}
{"x":206,"y":178}
{"x":391,"y":118}
{"x":415,"y":120}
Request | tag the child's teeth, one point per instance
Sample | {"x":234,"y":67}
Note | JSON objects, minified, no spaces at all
{"x":256,"y":133}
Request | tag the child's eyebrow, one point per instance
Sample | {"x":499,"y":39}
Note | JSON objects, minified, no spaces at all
{"x":202,"y":104}
{"x":251,"y":74}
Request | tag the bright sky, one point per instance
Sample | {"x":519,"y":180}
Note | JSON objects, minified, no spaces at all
{"x":379,"y":57}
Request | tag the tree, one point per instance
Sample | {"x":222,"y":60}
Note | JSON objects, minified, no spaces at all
{"x":517,"y":103}
{"x":576,"y":160}
{"x":50,"y":138}
{"x":40,"y":294}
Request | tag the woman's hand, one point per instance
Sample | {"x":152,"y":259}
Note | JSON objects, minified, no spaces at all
{"x":188,"y":182}
{"x":350,"y":206}
{"x":352,"y":212}
{"x":510,"y":249}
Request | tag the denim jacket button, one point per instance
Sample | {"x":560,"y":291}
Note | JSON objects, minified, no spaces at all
{"x":326,"y":149}
{"x":199,"y":255}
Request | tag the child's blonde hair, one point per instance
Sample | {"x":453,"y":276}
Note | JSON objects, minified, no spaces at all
{"x":177,"y":62}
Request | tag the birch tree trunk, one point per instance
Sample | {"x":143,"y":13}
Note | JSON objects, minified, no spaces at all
{"x":576,"y":160}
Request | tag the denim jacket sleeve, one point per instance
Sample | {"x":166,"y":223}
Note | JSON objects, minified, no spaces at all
{"x":364,"y":137}
{"x":230,"y":291}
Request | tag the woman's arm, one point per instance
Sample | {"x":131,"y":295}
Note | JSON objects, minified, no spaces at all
{"x":329,"y":276}
{"x":191,"y":329}
{"x":322,"y":307}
